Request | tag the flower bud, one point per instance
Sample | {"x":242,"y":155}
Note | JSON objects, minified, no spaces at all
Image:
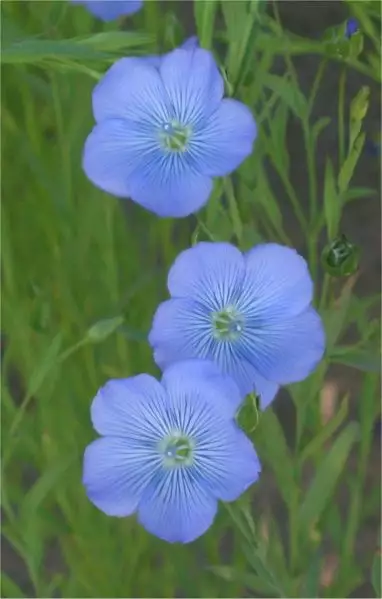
{"x":340,"y":258}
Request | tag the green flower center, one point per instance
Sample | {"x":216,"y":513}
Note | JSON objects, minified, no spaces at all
{"x":177,"y":450}
{"x":175,"y":137}
{"x":227,"y":324}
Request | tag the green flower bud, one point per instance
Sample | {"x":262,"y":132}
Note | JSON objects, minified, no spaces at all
{"x":340,"y":258}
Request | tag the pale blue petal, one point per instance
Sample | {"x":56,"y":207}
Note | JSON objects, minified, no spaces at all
{"x":113,"y":151}
{"x":132,"y":89}
{"x":176,"y":507}
{"x":240,"y":366}
{"x":181,"y":330}
{"x":228,"y":463}
{"x":193,"y":83}
{"x":196,"y":379}
{"x":191,"y":43}
{"x":116,"y":471}
{"x":130,"y":408}
{"x":168,"y":186}
{"x":277,"y":284}
{"x":226,"y":140}
{"x":210,"y":273}
{"x":108,"y":10}
{"x":288,"y":350}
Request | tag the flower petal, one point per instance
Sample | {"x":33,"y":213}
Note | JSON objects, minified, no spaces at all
{"x":115,"y":474}
{"x":181,"y":330}
{"x":176,"y":508}
{"x":132,"y":89}
{"x":129,"y":408}
{"x":166,"y":185}
{"x":226,"y":140}
{"x":287,"y":351}
{"x":210,"y":273}
{"x":112,"y":152}
{"x":231,"y":464}
{"x":193,"y":83}
{"x":277,"y":283}
{"x":108,"y":10}
{"x":236,"y":364}
{"x":202,"y":378}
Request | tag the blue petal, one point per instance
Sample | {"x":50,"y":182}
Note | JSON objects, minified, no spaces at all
{"x":210,"y":273}
{"x":132,"y":89}
{"x":286,"y":351}
{"x":116,"y":471}
{"x":203,"y":378}
{"x":112,"y":152}
{"x":230,"y":465}
{"x":191,"y":43}
{"x":155,"y":60}
{"x":277,"y":283}
{"x":181,"y":330}
{"x":168,"y":186}
{"x":176,"y":508}
{"x":108,"y":10}
{"x":193,"y":83}
{"x":226,"y":140}
{"x":125,"y":407}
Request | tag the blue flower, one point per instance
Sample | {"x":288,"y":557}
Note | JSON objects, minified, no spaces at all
{"x":250,"y":313}
{"x":170,"y":450}
{"x":164,"y":131}
{"x":108,"y":10}
{"x":351,"y":27}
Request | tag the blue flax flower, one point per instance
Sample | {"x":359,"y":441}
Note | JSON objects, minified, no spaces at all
{"x":169,"y":450}
{"x":250,"y":313}
{"x":164,"y":131}
{"x":108,"y":10}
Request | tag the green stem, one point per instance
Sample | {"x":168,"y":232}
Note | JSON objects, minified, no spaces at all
{"x":325,"y":292}
{"x":316,"y":84}
{"x":341,"y":116}
{"x":233,"y":210}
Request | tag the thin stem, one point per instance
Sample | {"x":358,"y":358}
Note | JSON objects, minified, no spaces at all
{"x":341,"y":116}
{"x":324,"y":292}
{"x":316,"y":84}
{"x":233,"y":210}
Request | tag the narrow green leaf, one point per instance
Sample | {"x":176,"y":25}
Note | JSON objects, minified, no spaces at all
{"x":362,"y":359}
{"x":288,"y":93}
{"x":103,"y":329}
{"x":348,"y":167}
{"x":111,"y":41}
{"x":276,"y":454}
{"x":356,"y":193}
{"x":35,"y":50}
{"x":311,"y":581}
{"x":358,"y":110}
{"x":317,"y":443}
{"x":205,"y":13}
{"x":45,"y":364}
{"x":335,"y":317}
{"x":332,"y":204}
{"x":43,"y":486}
{"x":9,"y":588}
{"x":329,"y":471}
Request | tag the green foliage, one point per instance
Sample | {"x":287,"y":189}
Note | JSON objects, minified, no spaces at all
{"x":73,"y":257}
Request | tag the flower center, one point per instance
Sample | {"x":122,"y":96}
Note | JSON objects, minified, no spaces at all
{"x":227,"y":324}
{"x":177,"y":450}
{"x":175,"y":137}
